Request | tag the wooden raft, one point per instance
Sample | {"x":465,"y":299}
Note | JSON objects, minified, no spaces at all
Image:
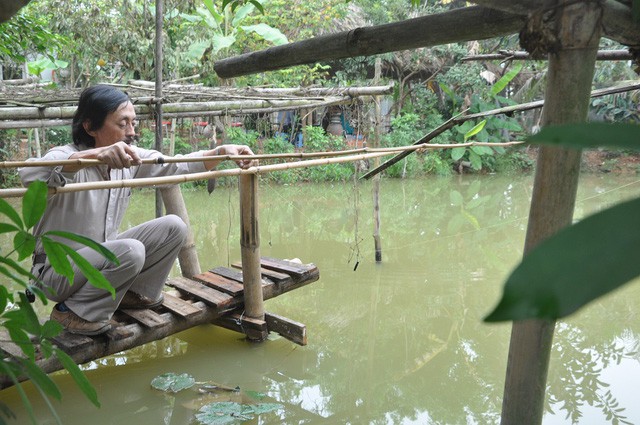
{"x":215,"y":296}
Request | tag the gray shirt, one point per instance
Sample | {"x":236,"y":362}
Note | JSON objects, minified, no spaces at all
{"x":96,"y":214}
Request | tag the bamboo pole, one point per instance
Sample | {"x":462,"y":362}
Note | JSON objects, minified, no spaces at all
{"x":158,"y":92}
{"x":464,"y":24}
{"x":377,"y":243}
{"x":250,"y":252}
{"x":603,"y":55}
{"x":569,"y":79}
{"x":188,"y":256}
{"x":291,"y":155}
{"x":459,"y":119}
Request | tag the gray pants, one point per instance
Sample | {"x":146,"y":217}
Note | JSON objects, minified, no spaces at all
{"x":146,"y":253}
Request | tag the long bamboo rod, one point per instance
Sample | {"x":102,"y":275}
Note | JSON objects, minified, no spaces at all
{"x":158,"y":92}
{"x":603,"y":55}
{"x":569,"y":80}
{"x":272,"y":156}
{"x":459,"y":119}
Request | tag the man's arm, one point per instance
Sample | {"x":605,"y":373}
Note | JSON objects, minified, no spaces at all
{"x":229,"y":150}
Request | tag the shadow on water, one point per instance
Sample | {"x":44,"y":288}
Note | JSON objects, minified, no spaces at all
{"x":400,"y":342}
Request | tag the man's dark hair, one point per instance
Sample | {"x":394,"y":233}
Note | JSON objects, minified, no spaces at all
{"x":94,"y":105}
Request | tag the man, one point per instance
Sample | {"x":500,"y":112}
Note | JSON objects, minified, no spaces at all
{"x":103,"y":128}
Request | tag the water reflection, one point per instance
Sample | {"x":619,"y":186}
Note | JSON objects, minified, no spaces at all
{"x":396,"y":343}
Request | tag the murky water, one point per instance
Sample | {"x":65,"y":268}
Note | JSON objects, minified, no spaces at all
{"x":400,"y":342}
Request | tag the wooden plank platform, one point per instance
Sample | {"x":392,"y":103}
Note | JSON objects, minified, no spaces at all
{"x":215,"y":296}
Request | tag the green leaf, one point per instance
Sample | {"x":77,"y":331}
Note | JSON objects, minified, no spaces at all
{"x":172,"y":382}
{"x":51,"y":328}
{"x":589,"y":135}
{"x":24,"y":244}
{"x":31,"y":323}
{"x":505,"y":79}
{"x":457,"y":153}
{"x":10,"y":212}
{"x":456,"y":198}
{"x":476,"y":161}
{"x":225,"y":412}
{"x":220,"y":42}
{"x":6,"y":228}
{"x":575,"y":266}
{"x":21,"y":339}
{"x":475,"y":130}
{"x":34,"y":203}
{"x":257,"y":5}
{"x":58,"y":258}
{"x":106,"y":253}
{"x":40,"y":379}
{"x":4,"y":298}
{"x":92,"y":274}
{"x":77,"y":375}
{"x":267,"y":33}
{"x":197,"y":49}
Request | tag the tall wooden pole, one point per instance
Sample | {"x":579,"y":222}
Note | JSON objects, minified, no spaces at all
{"x":250,"y":251}
{"x":569,"y":81}
{"x":158,"y":92}
{"x":376,"y":163}
{"x":188,"y":256}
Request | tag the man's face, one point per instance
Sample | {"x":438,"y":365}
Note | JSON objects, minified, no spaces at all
{"x":119,"y":125}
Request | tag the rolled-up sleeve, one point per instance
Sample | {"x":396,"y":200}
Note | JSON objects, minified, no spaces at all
{"x":52,"y":175}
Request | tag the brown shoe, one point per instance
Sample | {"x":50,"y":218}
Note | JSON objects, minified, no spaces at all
{"x":136,"y":301}
{"x":77,"y":325}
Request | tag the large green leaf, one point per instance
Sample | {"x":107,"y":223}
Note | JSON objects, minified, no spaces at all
{"x":220,"y":41}
{"x":475,"y":130}
{"x":505,"y":79}
{"x":575,"y":266}
{"x":172,"y":382}
{"x":6,"y":228}
{"x":10,"y":212}
{"x":24,"y":244}
{"x":40,"y":379}
{"x":106,"y":253}
{"x":457,"y":153}
{"x":34,"y":203}
{"x":58,"y":258}
{"x":268,"y":33}
{"x":92,"y":274}
{"x":590,"y":135}
{"x":77,"y":375}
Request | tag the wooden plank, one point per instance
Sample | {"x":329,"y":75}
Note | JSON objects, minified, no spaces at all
{"x":8,"y":346}
{"x":296,"y":270}
{"x":272,"y":275}
{"x":255,"y":329}
{"x":72,"y":343}
{"x":287,"y":328}
{"x":221,"y":283}
{"x":180,"y":307}
{"x":148,"y":318}
{"x":210,"y":296}
{"x":228,"y":273}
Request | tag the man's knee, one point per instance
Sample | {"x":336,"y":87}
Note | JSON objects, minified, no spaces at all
{"x":132,"y":255}
{"x":176,"y":226}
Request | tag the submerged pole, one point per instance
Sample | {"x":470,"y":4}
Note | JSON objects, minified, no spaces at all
{"x":376,"y":163}
{"x":250,"y":251}
{"x":569,"y":81}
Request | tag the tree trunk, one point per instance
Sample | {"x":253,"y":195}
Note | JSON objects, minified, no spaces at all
{"x":567,"y":99}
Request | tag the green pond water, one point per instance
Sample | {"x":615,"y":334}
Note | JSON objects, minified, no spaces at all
{"x":401,"y":342}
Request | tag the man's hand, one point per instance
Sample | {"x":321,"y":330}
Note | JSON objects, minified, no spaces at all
{"x":119,"y":155}
{"x":233,"y":150}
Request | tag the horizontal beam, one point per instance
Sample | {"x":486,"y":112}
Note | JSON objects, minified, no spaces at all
{"x":507,"y":55}
{"x":469,"y":23}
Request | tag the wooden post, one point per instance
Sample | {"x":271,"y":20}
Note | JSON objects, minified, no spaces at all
{"x":158,"y":92}
{"x":376,"y":163}
{"x":172,"y":137}
{"x":188,"y":256}
{"x":250,"y":252}
{"x":569,"y":79}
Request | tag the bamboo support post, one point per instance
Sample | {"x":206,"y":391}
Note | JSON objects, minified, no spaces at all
{"x":158,"y":92}
{"x":567,"y":99}
{"x":174,"y":204}
{"x":376,"y":163}
{"x":250,"y":252}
